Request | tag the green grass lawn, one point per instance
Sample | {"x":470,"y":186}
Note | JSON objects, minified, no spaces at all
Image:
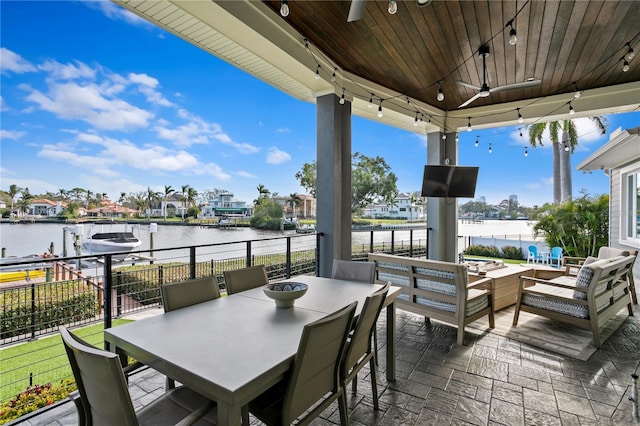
{"x":45,"y":358}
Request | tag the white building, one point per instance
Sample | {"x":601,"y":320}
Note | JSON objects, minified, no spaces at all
{"x":225,"y":205}
{"x":402,"y":208}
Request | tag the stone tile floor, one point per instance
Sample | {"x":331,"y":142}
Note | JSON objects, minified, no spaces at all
{"x":491,"y":380}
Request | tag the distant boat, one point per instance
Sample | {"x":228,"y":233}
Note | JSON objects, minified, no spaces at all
{"x":121,"y":242}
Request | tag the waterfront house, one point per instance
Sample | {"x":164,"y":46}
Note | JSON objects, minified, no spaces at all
{"x":404,"y":206}
{"x":46,"y":207}
{"x":306,"y":208}
{"x":224,"y":204}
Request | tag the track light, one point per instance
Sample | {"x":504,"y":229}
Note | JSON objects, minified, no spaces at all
{"x":625,"y":65}
{"x":342,"y":97}
{"x":415,"y":122}
{"x":440,"y":94}
{"x":520,"y":118}
{"x":476,"y":144}
{"x":630,"y":53}
{"x":571,"y":110}
{"x":371,"y":101}
{"x":318,"y":72}
{"x":469,"y":124}
{"x":526,"y":152}
{"x":393,"y":7}
{"x":513,"y":37}
{"x":490,"y":148}
{"x":333,"y":76}
{"x":284,"y":8}
{"x":380,"y":109}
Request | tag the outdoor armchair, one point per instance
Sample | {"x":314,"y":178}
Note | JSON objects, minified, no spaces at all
{"x":599,"y":292}
{"x":314,"y":380}
{"x":105,"y":399}
{"x":245,"y":279}
{"x":359,"y":348}
{"x":533,"y":255}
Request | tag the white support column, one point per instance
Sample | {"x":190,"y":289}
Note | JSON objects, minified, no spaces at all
{"x":442,"y":213}
{"x":333,"y":185}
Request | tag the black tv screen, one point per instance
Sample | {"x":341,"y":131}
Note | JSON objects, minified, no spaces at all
{"x":449,"y":181}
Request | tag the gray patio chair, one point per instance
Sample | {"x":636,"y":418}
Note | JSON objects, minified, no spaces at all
{"x":105,"y":399}
{"x":186,"y":293}
{"x":359,"y":348}
{"x":357,"y":271}
{"x":314,"y":379}
{"x":245,"y":279}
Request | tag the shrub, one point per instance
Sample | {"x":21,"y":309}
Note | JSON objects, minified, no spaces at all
{"x":486,"y":251}
{"x":512,"y":252}
{"x":33,"y":398}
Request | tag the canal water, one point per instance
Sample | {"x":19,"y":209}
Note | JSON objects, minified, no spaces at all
{"x":35,"y":238}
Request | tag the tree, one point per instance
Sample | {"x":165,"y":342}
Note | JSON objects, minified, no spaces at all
{"x":294,"y":201}
{"x":168,"y":190}
{"x":371,"y":181}
{"x":579,"y":226}
{"x":183,"y":196}
{"x":262,"y":191}
{"x":267,"y":214}
{"x":562,"y":186}
{"x":13,"y":191}
{"x":151,"y":198}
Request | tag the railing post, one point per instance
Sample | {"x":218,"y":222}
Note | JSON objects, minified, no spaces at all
{"x":192,"y":262}
{"x":248,"y":254}
{"x":33,"y":310}
{"x":427,"y":243}
{"x":393,"y":241}
{"x":371,"y":242}
{"x":317,"y":255}
{"x":118,"y":293}
{"x":287,"y":267}
{"x":410,"y":242}
{"x":108,"y":286}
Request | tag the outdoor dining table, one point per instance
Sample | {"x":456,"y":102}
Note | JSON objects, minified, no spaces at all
{"x":234,"y":348}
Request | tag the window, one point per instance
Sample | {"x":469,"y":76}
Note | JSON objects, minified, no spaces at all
{"x":630,"y":198}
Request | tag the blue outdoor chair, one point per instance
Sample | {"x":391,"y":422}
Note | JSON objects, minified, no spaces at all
{"x":556,"y":256}
{"x":533,"y":255}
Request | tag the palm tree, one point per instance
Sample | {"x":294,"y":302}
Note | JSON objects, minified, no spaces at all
{"x":294,"y":201}
{"x":168,"y":190}
{"x":152,"y":196}
{"x":183,"y":197}
{"x":13,"y":191}
{"x":192,"y":194}
{"x":561,"y":153}
{"x":262,"y":191}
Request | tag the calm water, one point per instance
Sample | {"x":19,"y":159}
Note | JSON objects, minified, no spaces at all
{"x":25,"y":239}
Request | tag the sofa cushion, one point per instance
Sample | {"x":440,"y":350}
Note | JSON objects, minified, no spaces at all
{"x":555,"y":305}
{"x":583,"y":279}
{"x":606,"y":252}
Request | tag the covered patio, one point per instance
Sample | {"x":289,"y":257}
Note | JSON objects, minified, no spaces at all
{"x":433,"y":68}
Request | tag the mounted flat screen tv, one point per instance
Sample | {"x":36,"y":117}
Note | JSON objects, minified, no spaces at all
{"x":449,"y":181}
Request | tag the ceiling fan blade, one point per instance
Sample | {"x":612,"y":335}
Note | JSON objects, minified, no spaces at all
{"x":476,"y":96}
{"x":470,"y":86}
{"x":522,"y":85}
{"x":356,"y":10}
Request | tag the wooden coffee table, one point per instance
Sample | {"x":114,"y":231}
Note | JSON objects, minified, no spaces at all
{"x":505,"y":283}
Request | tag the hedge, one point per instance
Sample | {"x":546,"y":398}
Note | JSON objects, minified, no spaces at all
{"x":507,"y":252}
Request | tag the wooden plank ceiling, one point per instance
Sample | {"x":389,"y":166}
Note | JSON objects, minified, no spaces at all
{"x":559,"y":43}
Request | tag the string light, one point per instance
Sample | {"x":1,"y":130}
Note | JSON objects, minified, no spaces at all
{"x":380,"y":109}
{"x":469,"y":124}
{"x":333,"y":76}
{"x":625,"y":64}
{"x":393,"y":7}
{"x":571,"y":110}
{"x":513,"y":37}
{"x":630,"y":53}
{"x":526,"y":152}
{"x":476,"y":144}
{"x":284,"y":8}
{"x":566,"y":147}
{"x":342,"y":97}
{"x":415,"y":122}
{"x":444,"y":136}
{"x":576,"y":91}
{"x":520,"y":131}
{"x":520,"y":118}
{"x":371,"y":101}
{"x":318,"y":72}
{"x":440,"y":94}
{"x":457,"y":138}
{"x":490,"y":149}
{"x":429,"y":120}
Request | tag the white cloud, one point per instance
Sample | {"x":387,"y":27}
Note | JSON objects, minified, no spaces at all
{"x":3,"y":105}
{"x":242,"y":173}
{"x":275,"y":156}
{"x":12,"y":62}
{"x":144,"y":79}
{"x":11,"y":134}
{"x":117,"y":13}
{"x":283,"y":130}
{"x":147,"y":86}
{"x":71,"y":101}
{"x":58,"y":71}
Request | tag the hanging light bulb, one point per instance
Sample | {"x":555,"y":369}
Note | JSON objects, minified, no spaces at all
{"x":444,"y":136}
{"x":380,"y":110}
{"x":490,"y":148}
{"x":318,"y":73}
{"x":513,"y":37}
{"x":521,"y":132}
{"x":371,"y":101}
{"x":625,"y":65}
{"x":284,"y":8}
{"x":393,"y":7}
{"x":571,"y":110}
{"x":526,"y":152}
{"x":469,"y":124}
{"x":415,"y":122}
{"x":429,"y":120}
{"x":342,"y":97}
{"x":421,"y":117}
{"x":457,"y":138}
{"x":476,"y":144}
{"x":333,"y":76}
{"x":576,"y":91}
{"x":566,"y":147}
{"x":520,"y":118}
{"x":440,"y":94}
{"x":630,"y":53}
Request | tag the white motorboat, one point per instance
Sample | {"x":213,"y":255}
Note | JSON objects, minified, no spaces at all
{"x":101,"y":241}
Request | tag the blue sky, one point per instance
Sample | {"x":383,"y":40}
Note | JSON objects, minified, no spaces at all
{"x":94,"y":97}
